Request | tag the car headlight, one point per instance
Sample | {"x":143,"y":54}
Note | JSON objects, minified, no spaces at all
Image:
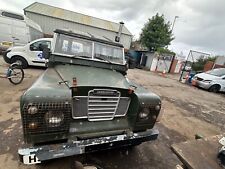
{"x":157,"y":107}
{"x":32,"y":110}
{"x":54,"y":119}
{"x":207,"y":81}
{"x":144,"y":113}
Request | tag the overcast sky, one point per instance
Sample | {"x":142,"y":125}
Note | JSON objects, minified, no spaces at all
{"x":200,"y":26}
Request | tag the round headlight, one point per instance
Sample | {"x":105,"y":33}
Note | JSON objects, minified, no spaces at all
{"x":32,"y":110}
{"x":157,"y":107}
{"x":54,"y":119}
{"x":33,"y":125}
{"x":144,"y":113}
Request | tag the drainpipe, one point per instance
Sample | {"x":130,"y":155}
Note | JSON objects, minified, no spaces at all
{"x":117,"y":38}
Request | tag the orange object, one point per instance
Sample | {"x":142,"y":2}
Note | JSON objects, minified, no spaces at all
{"x":187,"y":77}
{"x":74,"y":82}
{"x":130,"y":91}
{"x":164,"y":73}
{"x":193,"y":82}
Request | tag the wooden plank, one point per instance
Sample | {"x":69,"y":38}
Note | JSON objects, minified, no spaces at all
{"x":199,"y":154}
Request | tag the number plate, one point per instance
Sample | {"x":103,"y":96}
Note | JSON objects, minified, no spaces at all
{"x":31,"y":159}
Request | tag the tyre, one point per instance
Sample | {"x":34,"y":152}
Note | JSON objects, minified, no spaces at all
{"x":16,"y":74}
{"x":214,"y":88}
{"x":21,"y":61}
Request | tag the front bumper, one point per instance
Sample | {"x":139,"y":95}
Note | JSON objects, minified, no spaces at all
{"x":7,"y":60}
{"x":202,"y":84}
{"x":38,"y":154}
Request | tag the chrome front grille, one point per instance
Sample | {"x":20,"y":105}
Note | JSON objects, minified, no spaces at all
{"x":100,"y":104}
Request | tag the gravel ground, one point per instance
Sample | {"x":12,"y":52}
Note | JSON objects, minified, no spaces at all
{"x":187,"y":111}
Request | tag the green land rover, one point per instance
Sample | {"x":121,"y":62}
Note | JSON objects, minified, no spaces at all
{"x":84,"y":102}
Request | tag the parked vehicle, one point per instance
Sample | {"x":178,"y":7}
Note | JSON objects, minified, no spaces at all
{"x":28,"y":55}
{"x":83,"y":102}
{"x":213,"y":80}
{"x":16,"y":30}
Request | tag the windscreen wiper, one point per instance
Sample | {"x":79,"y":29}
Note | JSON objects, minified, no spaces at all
{"x":97,"y":57}
{"x":100,"y":58}
{"x":81,"y":56}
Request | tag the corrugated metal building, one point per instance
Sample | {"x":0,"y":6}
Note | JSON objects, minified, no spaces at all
{"x":50,"y":18}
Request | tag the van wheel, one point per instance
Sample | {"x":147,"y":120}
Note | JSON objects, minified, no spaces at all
{"x":214,"y":88}
{"x":21,"y":61}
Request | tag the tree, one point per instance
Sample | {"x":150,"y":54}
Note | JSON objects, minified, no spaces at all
{"x":200,"y":63}
{"x":156,"y":33}
{"x":165,"y":51}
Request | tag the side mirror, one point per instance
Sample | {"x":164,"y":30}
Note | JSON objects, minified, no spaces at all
{"x":41,"y":47}
{"x":33,"y":48}
{"x":46,"y":52}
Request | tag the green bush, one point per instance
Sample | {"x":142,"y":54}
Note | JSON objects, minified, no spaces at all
{"x":199,"y":65}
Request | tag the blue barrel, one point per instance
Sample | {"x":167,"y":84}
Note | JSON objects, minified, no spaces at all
{"x":191,"y":75}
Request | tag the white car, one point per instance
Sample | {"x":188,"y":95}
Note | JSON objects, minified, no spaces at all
{"x":28,"y":55}
{"x":213,"y":80}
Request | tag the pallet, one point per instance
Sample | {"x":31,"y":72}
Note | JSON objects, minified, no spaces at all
{"x":199,"y":154}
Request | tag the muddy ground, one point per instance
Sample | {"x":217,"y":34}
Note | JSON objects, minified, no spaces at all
{"x":187,"y":111}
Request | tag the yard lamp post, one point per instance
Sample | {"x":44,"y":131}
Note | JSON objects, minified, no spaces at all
{"x":174,"y":22}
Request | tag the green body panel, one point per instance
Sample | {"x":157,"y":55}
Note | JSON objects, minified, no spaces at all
{"x":48,"y":88}
{"x":58,"y":60}
{"x":92,"y":76}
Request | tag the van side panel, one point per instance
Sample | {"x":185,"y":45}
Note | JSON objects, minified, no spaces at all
{"x":5,"y":29}
{"x":17,"y":32}
{"x":20,"y":33}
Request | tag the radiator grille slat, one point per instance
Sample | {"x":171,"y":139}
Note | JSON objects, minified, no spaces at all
{"x":99,"y":113}
{"x":99,"y":106}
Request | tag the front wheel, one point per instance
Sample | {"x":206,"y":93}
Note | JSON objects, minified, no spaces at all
{"x":16,"y":74}
{"x":214,"y":88}
{"x":20,"y":61}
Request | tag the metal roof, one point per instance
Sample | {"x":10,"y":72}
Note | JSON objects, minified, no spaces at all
{"x":47,"y":10}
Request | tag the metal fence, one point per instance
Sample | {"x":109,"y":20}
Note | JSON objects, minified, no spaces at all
{"x":192,"y":60}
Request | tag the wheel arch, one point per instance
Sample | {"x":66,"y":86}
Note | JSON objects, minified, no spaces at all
{"x":25,"y":63}
{"x":20,"y":57}
{"x":216,"y":84}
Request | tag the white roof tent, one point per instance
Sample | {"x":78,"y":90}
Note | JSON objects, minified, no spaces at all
{"x":51,"y":18}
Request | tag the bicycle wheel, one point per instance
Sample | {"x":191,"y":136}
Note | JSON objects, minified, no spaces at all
{"x":17,"y":74}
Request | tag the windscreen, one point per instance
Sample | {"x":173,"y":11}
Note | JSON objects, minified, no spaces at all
{"x":73,"y":46}
{"x":217,"y":72}
{"x":107,"y":52}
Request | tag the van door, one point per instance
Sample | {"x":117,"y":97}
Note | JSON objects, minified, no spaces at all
{"x":35,"y":52}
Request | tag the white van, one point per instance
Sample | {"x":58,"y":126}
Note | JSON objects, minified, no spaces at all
{"x":28,"y":55}
{"x":16,"y":30}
